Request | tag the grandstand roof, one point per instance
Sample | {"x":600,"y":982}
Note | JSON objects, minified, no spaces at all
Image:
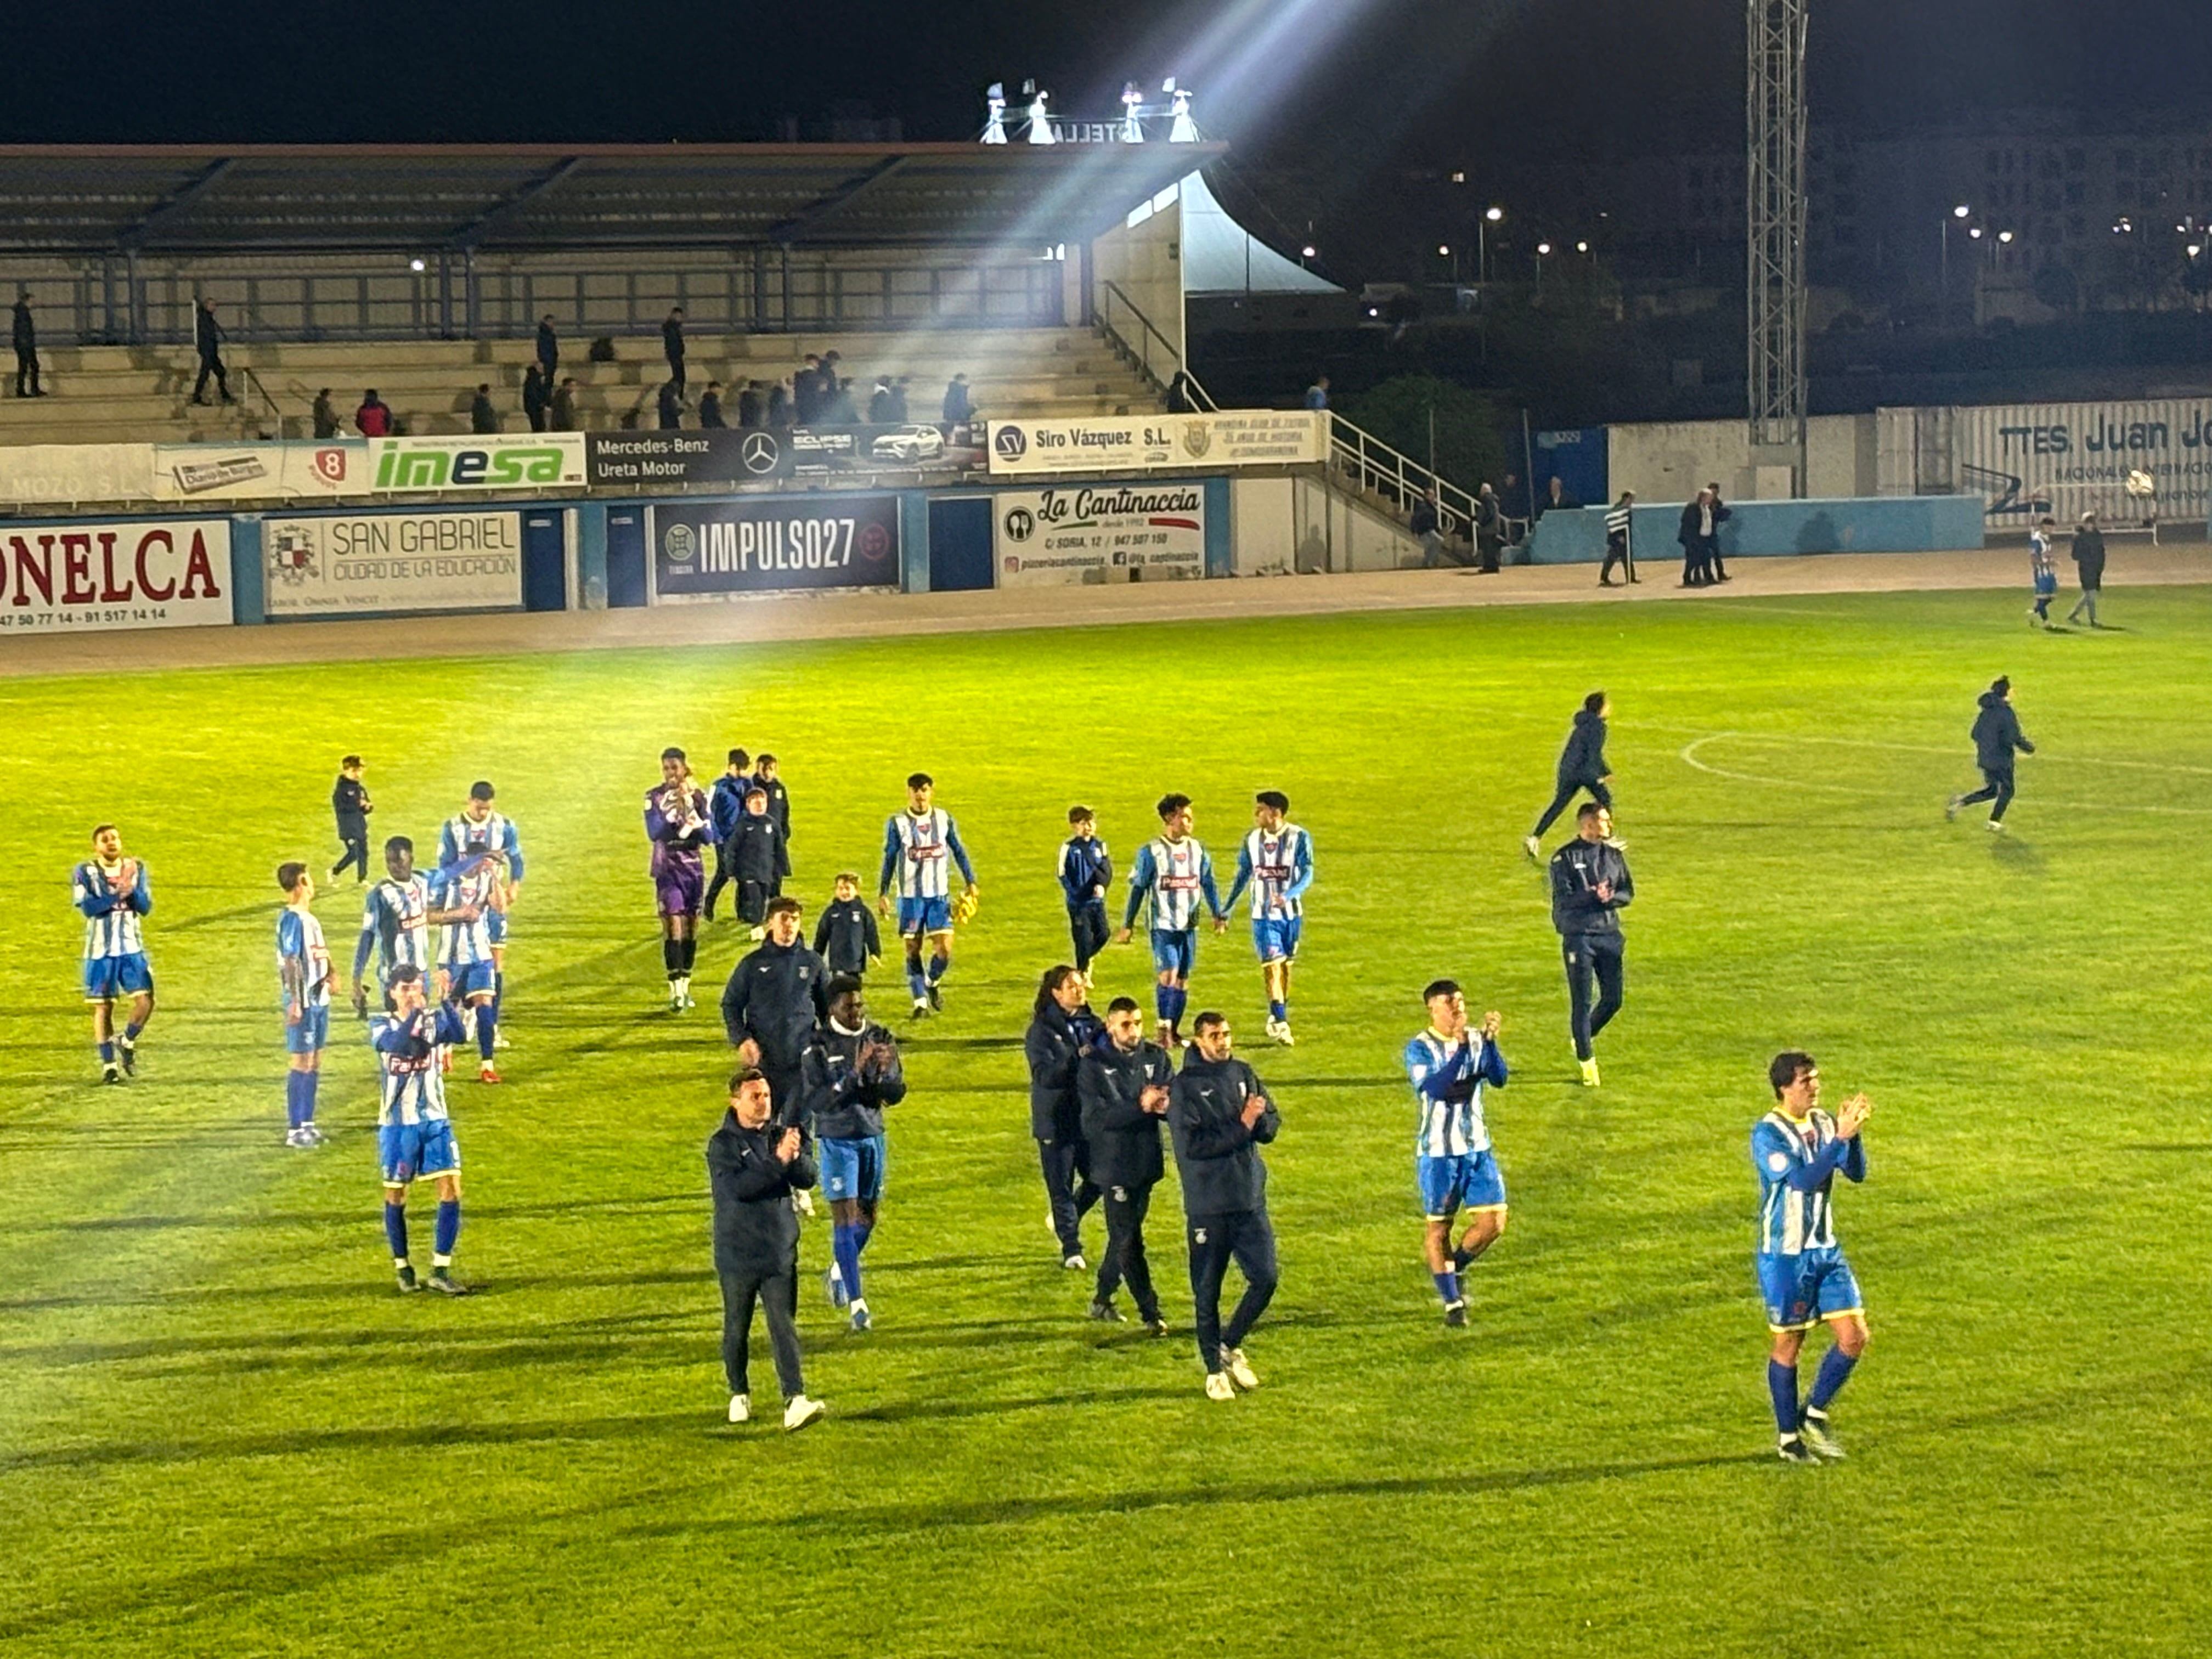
{"x":421,"y":198}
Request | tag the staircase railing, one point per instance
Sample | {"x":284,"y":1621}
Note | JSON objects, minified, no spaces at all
{"x":1145,"y":350}
{"x":1372,"y":465}
{"x":276,"y":411}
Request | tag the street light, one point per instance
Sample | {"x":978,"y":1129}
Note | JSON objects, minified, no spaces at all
{"x":1943,"y":295}
{"x":1582,"y":248}
{"x":1542,"y":249}
{"x":1491,"y":215}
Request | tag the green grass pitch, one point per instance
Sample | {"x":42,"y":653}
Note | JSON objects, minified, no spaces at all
{"x":221,"y":1431}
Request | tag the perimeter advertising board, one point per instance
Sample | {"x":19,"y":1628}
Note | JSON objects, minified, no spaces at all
{"x":338,"y":566}
{"x":1227,"y":437}
{"x":2083,"y":454}
{"x":1044,"y":538}
{"x":94,"y":577}
{"x":756,"y":455}
{"x":771,"y":544}
{"x":260,"y":472}
{"x":77,"y":472}
{"x":515,"y":463}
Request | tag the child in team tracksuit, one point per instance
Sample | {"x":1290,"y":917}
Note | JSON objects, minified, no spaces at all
{"x":2045,"y":571}
{"x":846,"y":937}
{"x":1086,"y":869}
{"x":757,"y":862}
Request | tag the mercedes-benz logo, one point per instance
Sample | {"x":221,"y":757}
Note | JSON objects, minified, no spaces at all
{"x":759,"y":454}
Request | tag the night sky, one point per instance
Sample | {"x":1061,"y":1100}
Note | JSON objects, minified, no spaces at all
{"x":1444,"y":81}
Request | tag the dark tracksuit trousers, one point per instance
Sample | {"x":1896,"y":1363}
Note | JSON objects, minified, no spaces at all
{"x":1248,"y":1238}
{"x":1068,"y":1188}
{"x":777,"y":1295}
{"x":1564,"y":798}
{"x":1125,"y":1262}
{"x":353,"y":834}
{"x":1591,"y":956}
{"x":1996,"y":785}
{"x":1087,"y":927}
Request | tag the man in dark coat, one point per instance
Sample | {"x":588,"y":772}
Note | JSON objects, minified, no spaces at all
{"x":1121,"y":1085}
{"x":670,"y":406}
{"x":1997,"y":736}
{"x":482,"y":417}
{"x":27,"y":348}
{"x":1722,"y":514}
{"x":1700,"y":524}
{"x":1582,"y":766}
{"x":1219,"y":1116}
{"x":1489,"y":531}
{"x":773,"y":1006}
{"x":2089,"y":563}
{"x":537,"y":396}
{"x":710,"y":408}
{"x":207,"y":341}
{"x":672,"y":346}
{"x":755,"y":1168}
{"x":1062,"y":1027}
{"x":549,"y":350}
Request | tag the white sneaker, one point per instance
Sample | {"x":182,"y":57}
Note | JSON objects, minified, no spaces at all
{"x":801,"y":1410}
{"x":741,"y":1408}
{"x":499,"y":1039}
{"x":1218,"y":1386}
{"x":1997,"y":826}
{"x":1532,"y":847}
{"x":1074,"y":1264}
{"x":1233,"y":1362}
{"x":293,"y":1138}
{"x":1282,"y":1034}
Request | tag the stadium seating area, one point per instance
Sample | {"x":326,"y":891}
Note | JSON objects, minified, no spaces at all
{"x":126,"y":394}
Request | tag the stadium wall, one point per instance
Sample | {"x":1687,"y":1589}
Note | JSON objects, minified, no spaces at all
{"x":1906,"y":524}
{"x":1671,"y":461}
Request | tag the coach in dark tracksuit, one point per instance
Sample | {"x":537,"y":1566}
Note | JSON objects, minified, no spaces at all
{"x":774,"y":1007}
{"x":754,"y":1166}
{"x":1062,"y":1027}
{"x":1122,"y":1084}
{"x":1590,"y":885}
{"x":1220,"y":1117}
{"x":1996,"y":736}
{"x":1581,"y":765}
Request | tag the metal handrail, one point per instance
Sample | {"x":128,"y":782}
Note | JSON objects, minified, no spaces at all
{"x":1374,"y":466}
{"x":276,"y":410}
{"x":1140,"y":352}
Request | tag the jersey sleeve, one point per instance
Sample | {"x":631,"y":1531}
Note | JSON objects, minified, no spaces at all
{"x":513,"y":848}
{"x":1302,"y":868}
{"x":1244,"y":874}
{"x":1206,"y":884}
{"x":141,"y":894}
{"x":1141,"y":876}
{"x":449,"y":844}
{"x":891,"y":857}
{"x":90,"y":894}
{"x":959,"y":853}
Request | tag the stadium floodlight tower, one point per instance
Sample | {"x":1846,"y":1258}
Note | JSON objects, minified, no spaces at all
{"x":1774,"y":175}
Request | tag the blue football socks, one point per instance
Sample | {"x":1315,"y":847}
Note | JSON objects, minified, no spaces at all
{"x":1278,"y":1011}
{"x":449,"y":1228}
{"x":1828,"y":1382}
{"x":292,"y":1098}
{"x":845,"y":1245}
{"x":130,"y":1031}
{"x":938,"y":964}
{"x":1782,"y":1384}
{"x":487,"y":1028}
{"x":395,"y":1231}
{"x":1448,"y":1288}
{"x":915,"y":982}
{"x":107,"y":1053}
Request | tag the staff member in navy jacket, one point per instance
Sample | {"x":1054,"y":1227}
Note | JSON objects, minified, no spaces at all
{"x":1060,"y":1028}
{"x":1220,"y":1117}
{"x":1122,"y":1084}
{"x":756,"y":1169}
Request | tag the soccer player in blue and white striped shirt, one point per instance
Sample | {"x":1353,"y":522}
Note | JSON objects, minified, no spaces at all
{"x":413,"y":1133}
{"x":303,"y":965}
{"x":478,"y":821}
{"x":1798,"y":1151}
{"x":1173,"y":871}
{"x":471,"y":891}
{"x":918,"y":844}
{"x":396,"y":919}
{"x":1448,"y":1065}
{"x":1276,"y":862}
{"x":113,"y":893}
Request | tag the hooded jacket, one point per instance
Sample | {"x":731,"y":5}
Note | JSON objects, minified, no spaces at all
{"x":756,"y":1229}
{"x":2089,"y":556}
{"x":1582,"y":761}
{"x":1216,"y":1156}
{"x":1054,"y":1041}
{"x":1996,"y":734}
{"x":1124,"y":1139}
{"x":1578,"y":869}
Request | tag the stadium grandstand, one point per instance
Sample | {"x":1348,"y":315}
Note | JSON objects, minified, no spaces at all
{"x":424,"y":271}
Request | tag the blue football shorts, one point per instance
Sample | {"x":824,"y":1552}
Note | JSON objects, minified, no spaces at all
{"x":1464,"y":1181}
{"x":417,"y":1152}
{"x":1174,"y":951}
{"x":1275,"y":939}
{"x":468,"y":979}
{"x":925,"y":916}
{"x":852,"y":1167}
{"x":312,"y":1035}
{"x":106,"y":978}
{"x":1802,"y":1291}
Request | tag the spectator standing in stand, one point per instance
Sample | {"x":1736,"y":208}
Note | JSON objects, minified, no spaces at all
{"x":27,"y":348}
{"x":752,"y":407}
{"x":549,"y":349}
{"x":899,"y":415}
{"x":563,"y":412}
{"x":1182,"y":398}
{"x":373,"y":418}
{"x":879,"y":402}
{"x":672,"y":346}
{"x":1317,"y":393}
{"x":778,"y":413}
{"x":670,"y":406}
{"x":207,"y":340}
{"x":1555,"y":497}
{"x":536,"y":393}
{"x":806,"y":389}
{"x":710,"y":407}
{"x":326,"y":415}
{"x":958,"y":410}
{"x":482,"y":417}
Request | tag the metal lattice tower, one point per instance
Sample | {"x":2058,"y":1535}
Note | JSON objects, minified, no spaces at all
{"x":1775,"y":175}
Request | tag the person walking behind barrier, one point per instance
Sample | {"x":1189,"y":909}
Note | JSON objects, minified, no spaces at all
{"x":1715,"y":569}
{"x":2089,"y":565}
{"x":670,"y":406}
{"x":710,"y":408}
{"x":1317,"y":393}
{"x":563,"y":410}
{"x":1997,"y":735}
{"x":959,"y":410}
{"x":1422,"y":522}
{"x":672,"y":346}
{"x":207,"y":340}
{"x":2043,"y":571}
{"x":324,"y":416}
{"x":549,"y":349}
{"x":1619,"y":527}
{"x":536,"y":395}
{"x":1582,"y":766}
{"x":482,"y":417}
{"x":27,"y":348}
{"x":752,"y":406}
{"x":373,"y":418}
